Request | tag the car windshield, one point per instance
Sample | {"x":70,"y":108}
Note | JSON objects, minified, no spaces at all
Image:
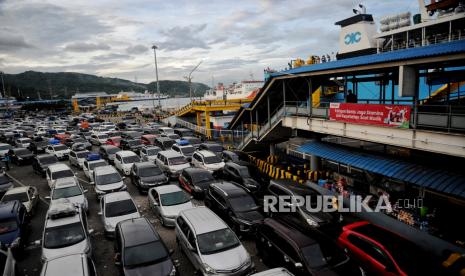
{"x":244,"y":171}
{"x":48,"y":160}
{"x":217,"y":241}
{"x":175,"y":198}
{"x":113,"y":150}
{"x":60,"y":147}
{"x":152,"y":151}
{"x":16,"y":196}
{"x":144,"y":254}
{"x":94,"y":165}
{"x":131,"y":159}
{"x":102,"y":136}
{"x":66,"y":192}
{"x":8,"y":225}
{"x":82,"y":154}
{"x":177,"y":160}
{"x":318,"y":257}
{"x":243,"y":203}
{"x":187,"y":150}
{"x":120,"y":208}
{"x":4,"y":179}
{"x":149,"y":171}
{"x":211,"y":159}
{"x":202,"y":177}
{"x":62,"y":174}
{"x":134,"y":142}
{"x":64,"y":235}
{"x":105,"y":179}
{"x":22,"y":152}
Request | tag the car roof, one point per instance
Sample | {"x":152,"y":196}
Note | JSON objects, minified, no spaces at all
{"x":170,"y":188}
{"x":170,"y":153}
{"x":206,"y":153}
{"x":299,"y":238}
{"x":147,"y":164}
{"x":65,"y":182}
{"x":125,"y":153}
{"x":105,"y":170}
{"x":9,"y":208}
{"x":73,"y":264}
{"x":203,"y":220}
{"x":137,"y":231}
{"x":59,"y":167}
{"x":18,"y":190}
{"x":229,"y":189}
{"x":117,"y":196}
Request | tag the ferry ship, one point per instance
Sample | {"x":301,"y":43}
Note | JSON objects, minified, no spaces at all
{"x":135,"y":96}
{"x":246,"y":89}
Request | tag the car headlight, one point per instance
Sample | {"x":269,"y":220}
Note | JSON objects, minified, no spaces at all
{"x":208,"y":269}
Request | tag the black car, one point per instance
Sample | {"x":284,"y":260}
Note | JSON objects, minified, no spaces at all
{"x":41,"y":162}
{"x":214,"y":147}
{"x":196,"y":181}
{"x":228,"y":156}
{"x":108,"y":152}
{"x":20,"y":156}
{"x":140,"y":250}
{"x":241,"y":175}
{"x":131,"y":144}
{"x":69,"y":142}
{"x":131,"y":134}
{"x":183,"y":132}
{"x":303,"y":253}
{"x":38,"y":145}
{"x":164,"y":142}
{"x":146,"y":175}
{"x":232,"y":203}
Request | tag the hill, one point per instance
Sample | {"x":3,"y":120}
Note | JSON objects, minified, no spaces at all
{"x":65,"y":84}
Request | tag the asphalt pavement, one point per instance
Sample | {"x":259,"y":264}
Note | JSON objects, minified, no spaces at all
{"x":29,"y":263}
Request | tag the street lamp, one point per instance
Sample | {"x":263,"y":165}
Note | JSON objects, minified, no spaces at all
{"x":155,"y":47}
{"x":189,"y":79}
{"x":3,"y":84}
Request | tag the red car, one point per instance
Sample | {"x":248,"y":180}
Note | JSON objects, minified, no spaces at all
{"x":114,"y":141}
{"x":382,"y":252}
{"x":61,"y":137}
{"x":148,"y":139}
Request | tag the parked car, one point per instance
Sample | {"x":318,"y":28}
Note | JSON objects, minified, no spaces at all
{"x":382,"y":252}
{"x":65,"y":231}
{"x":240,"y":174}
{"x":210,"y":245}
{"x":70,"y":189}
{"x":183,"y":132}
{"x":5,"y":183}
{"x":4,"y":149}
{"x":13,"y":224}
{"x":124,"y":160}
{"x":184,"y":149}
{"x":7,"y":263}
{"x":146,"y":175}
{"x":164,"y":143}
{"x":116,"y":207}
{"x":301,"y":253}
{"x":27,"y":195}
{"x":193,"y":141}
{"x":235,"y":206}
{"x":70,"y":142}
{"x":38,"y":145}
{"x":23,"y":142}
{"x":60,"y":151}
{"x":172,"y":136}
{"x":57,"y":171}
{"x":196,"y":181}
{"x":171,"y":162}
{"x":20,"y":156}
{"x":279,"y":271}
{"x":41,"y":162}
{"x":74,"y":264}
{"x":167,"y":201}
{"x":131,"y":144}
{"x":107,"y":180}
{"x":77,"y":158}
{"x":108,"y":152}
{"x":90,"y":165}
{"x":98,"y":139}
{"x":213,"y":147}
{"x":114,"y":141}
{"x":229,"y":156}
{"x":149,"y":153}
{"x":208,"y":160}
{"x":133,"y":134}
{"x":166,"y":130}
{"x":140,"y":250}
{"x":148,"y":139}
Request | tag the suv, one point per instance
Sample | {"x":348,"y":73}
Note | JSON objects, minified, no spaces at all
{"x":116,"y":207}
{"x":38,"y":145}
{"x":183,"y":132}
{"x":240,"y":174}
{"x":206,"y":159}
{"x":41,"y":162}
{"x":233,"y":204}
{"x":124,"y":160}
{"x":149,"y":153}
{"x":211,"y":246}
{"x":60,"y":151}
{"x":131,"y":144}
{"x":107,"y":180}
{"x":184,"y":149}
{"x":279,"y":245}
{"x":23,"y":142}
{"x":70,"y":189}
{"x":57,"y":171}
{"x":171,"y":162}
{"x":108,"y":152}
{"x":13,"y":223}
{"x":164,"y":143}
{"x":167,"y":201}
{"x":77,"y":158}
{"x":90,"y":165}
{"x":140,"y":250}
{"x":65,"y":231}
{"x":76,"y":265}
{"x":146,"y":175}
{"x":195,"y":181}
{"x":98,"y":139}
{"x":20,"y":156}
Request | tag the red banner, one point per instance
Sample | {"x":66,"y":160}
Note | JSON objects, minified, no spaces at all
{"x":372,"y":114}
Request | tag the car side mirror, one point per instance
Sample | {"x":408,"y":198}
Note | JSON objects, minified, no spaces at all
{"x":92,"y":183}
{"x":37,"y":242}
{"x":99,"y":213}
{"x":155,"y":203}
{"x":91,"y":231}
{"x":85,"y":191}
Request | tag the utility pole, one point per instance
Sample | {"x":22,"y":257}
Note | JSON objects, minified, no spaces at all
{"x":3,"y":84}
{"x":155,"y":47}
{"x":189,"y":79}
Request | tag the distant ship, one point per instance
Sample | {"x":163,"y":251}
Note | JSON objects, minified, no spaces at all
{"x":135,"y":96}
{"x":246,"y":89}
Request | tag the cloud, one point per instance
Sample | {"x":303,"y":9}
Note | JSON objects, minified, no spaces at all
{"x":136,"y":49}
{"x":182,"y":38}
{"x":9,"y":41}
{"x":86,"y":47}
{"x":111,"y":57}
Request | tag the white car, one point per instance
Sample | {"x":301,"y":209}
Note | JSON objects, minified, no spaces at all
{"x":27,"y":195}
{"x":57,"y":171}
{"x":116,"y":207}
{"x":98,"y":138}
{"x":77,"y":158}
{"x":166,"y":130}
{"x":23,"y":142}
{"x":70,"y":189}
{"x":185,"y":150}
{"x":65,"y":231}
{"x":4,"y":148}
{"x":76,"y":264}
{"x":167,"y":201}
{"x":107,"y":180}
{"x":149,"y":153}
{"x":208,"y":160}
{"x":60,"y":151}
{"x":89,"y":166}
{"x":171,"y":162}
{"x":124,"y":160}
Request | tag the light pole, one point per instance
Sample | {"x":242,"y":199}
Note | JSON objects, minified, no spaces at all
{"x":3,"y":84}
{"x":155,"y":47}
{"x":189,"y":79}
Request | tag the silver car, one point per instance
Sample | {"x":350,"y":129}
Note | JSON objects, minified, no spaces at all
{"x":210,"y":245}
{"x":77,"y":265}
{"x":77,"y":158}
{"x":89,"y":166}
{"x":70,"y":189}
{"x":116,"y":207}
{"x":167,"y":201}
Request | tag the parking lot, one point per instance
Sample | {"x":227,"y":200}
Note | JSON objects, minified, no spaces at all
{"x":29,"y":263}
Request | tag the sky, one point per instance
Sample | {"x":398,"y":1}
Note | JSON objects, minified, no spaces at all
{"x":234,"y":40}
